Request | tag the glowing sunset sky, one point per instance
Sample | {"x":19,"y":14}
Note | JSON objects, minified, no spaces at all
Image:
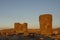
{"x":12,"y":11}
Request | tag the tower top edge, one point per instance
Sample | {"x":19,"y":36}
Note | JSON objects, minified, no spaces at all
{"x":45,"y":15}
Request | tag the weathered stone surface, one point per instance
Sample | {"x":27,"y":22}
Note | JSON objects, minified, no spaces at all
{"x":20,"y":28}
{"x":45,"y":21}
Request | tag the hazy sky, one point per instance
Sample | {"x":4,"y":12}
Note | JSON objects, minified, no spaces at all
{"x":21,"y":11}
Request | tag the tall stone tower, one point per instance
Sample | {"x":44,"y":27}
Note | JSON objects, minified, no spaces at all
{"x":45,"y":21}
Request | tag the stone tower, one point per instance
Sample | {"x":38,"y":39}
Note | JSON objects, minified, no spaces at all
{"x":17,"y":27}
{"x":24,"y":27}
{"x":45,"y":21}
{"x":20,"y":28}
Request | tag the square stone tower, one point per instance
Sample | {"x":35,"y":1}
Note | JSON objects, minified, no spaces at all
{"x":24,"y":27}
{"x":45,"y":21}
{"x":20,"y":28}
{"x":17,"y":27}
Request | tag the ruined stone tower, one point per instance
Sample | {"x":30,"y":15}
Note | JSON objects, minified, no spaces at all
{"x":17,"y":27}
{"x":20,"y":28}
{"x":45,"y":21}
{"x":24,"y":27}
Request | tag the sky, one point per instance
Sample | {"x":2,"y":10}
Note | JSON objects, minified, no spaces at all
{"x":28,"y":11}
